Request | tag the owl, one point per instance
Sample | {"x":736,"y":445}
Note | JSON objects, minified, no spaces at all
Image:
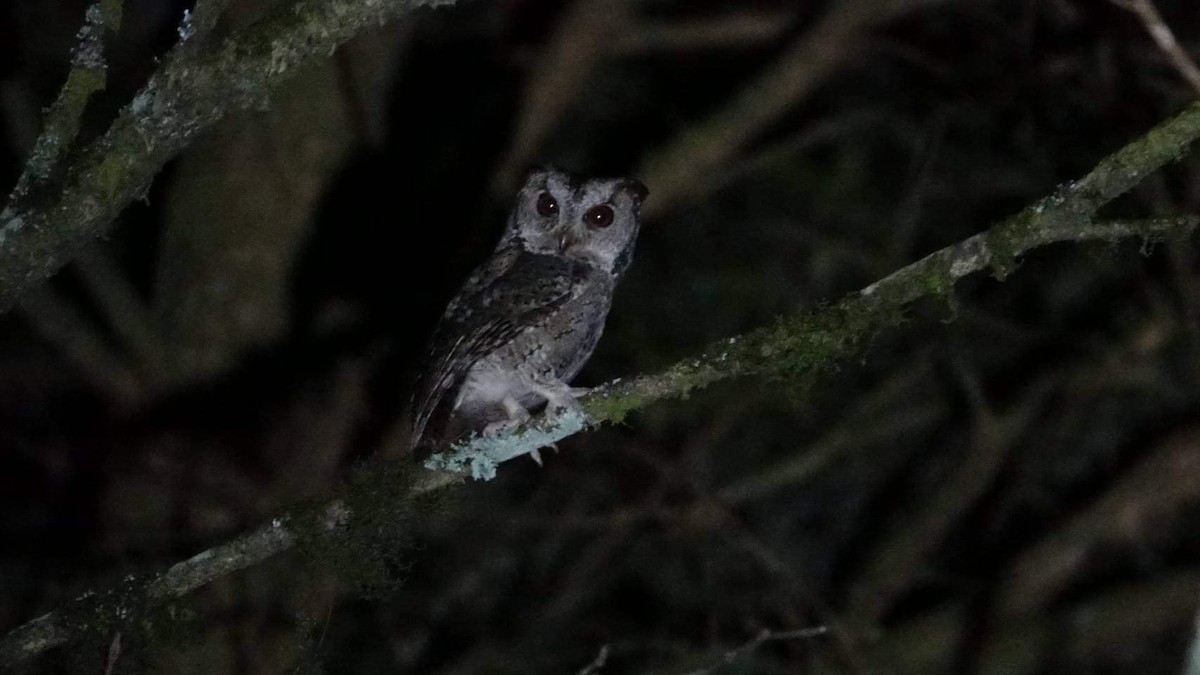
{"x":528,"y":318}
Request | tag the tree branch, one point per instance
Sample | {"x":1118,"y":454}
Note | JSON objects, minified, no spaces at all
{"x":87,"y":76}
{"x":1164,"y":38}
{"x":191,"y":90}
{"x":793,"y":347}
{"x":764,"y":636}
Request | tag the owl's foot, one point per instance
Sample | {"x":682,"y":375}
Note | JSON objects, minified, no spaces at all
{"x":562,"y":400}
{"x":537,"y":455}
{"x":516,"y":416}
{"x":499,"y":427}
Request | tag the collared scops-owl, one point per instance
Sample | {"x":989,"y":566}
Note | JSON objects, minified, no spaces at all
{"x":528,"y":318}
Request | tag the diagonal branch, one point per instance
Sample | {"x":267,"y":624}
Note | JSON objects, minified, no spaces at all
{"x":191,"y":90}
{"x":87,"y":76}
{"x":763,"y":637}
{"x":1164,"y":38}
{"x":794,"y":347}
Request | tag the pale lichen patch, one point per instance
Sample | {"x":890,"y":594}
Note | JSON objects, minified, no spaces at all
{"x":480,"y":455}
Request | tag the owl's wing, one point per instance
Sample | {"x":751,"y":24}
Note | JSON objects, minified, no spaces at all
{"x":486,"y":274}
{"x":487,"y":315}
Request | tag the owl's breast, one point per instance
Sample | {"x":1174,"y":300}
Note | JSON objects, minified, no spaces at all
{"x":559,"y":345}
{"x":571,"y":338}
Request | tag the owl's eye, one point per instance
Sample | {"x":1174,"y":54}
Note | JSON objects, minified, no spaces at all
{"x":599,"y":216}
{"x":546,"y":205}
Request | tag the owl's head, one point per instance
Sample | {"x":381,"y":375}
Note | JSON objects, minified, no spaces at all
{"x":592,"y":220}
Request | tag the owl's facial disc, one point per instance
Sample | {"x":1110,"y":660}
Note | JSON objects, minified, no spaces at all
{"x":594,"y":221}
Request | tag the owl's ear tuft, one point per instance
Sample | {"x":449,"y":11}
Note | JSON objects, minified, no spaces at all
{"x":636,"y":188}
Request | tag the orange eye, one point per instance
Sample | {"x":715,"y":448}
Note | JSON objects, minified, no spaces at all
{"x":599,"y":216}
{"x":546,"y":205}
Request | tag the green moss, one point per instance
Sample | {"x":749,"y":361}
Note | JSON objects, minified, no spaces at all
{"x":126,"y":607}
{"x":111,"y":10}
{"x":795,"y":346}
{"x":368,"y":553}
{"x":81,"y":84}
{"x":1008,"y":240}
{"x":110,"y":179}
{"x":614,"y":408}
{"x":937,"y":281}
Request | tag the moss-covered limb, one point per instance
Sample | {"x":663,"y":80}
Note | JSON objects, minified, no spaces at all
{"x":191,"y":90}
{"x":792,"y":346}
{"x":128,"y":601}
{"x":202,"y":19}
{"x":795,"y":346}
{"x":378,"y":499}
{"x":87,"y":76}
{"x":824,"y":336}
{"x":1120,"y":171}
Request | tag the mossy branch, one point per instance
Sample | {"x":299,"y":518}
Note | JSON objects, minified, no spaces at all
{"x":87,"y":76}
{"x":194,"y":88}
{"x":793,"y":347}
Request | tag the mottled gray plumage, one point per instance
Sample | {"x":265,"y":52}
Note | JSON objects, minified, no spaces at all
{"x":528,"y":318}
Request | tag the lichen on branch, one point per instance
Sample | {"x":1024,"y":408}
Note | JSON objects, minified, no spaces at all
{"x":192,"y":89}
{"x":88,"y":75}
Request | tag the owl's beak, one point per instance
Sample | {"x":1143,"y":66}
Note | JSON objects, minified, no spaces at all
{"x":564,"y":239}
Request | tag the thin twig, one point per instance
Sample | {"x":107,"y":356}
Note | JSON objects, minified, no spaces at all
{"x":764,"y":636}
{"x":114,"y":653}
{"x":1164,"y":38}
{"x":740,"y":28}
{"x":597,"y":663}
{"x":1192,"y":665}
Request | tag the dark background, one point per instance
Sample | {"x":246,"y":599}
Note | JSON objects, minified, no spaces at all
{"x":1009,"y":482}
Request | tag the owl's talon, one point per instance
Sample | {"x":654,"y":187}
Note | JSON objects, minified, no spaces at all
{"x":561,"y":401}
{"x":536,"y":457}
{"x":494,"y":429}
{"x":500,"y":428}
